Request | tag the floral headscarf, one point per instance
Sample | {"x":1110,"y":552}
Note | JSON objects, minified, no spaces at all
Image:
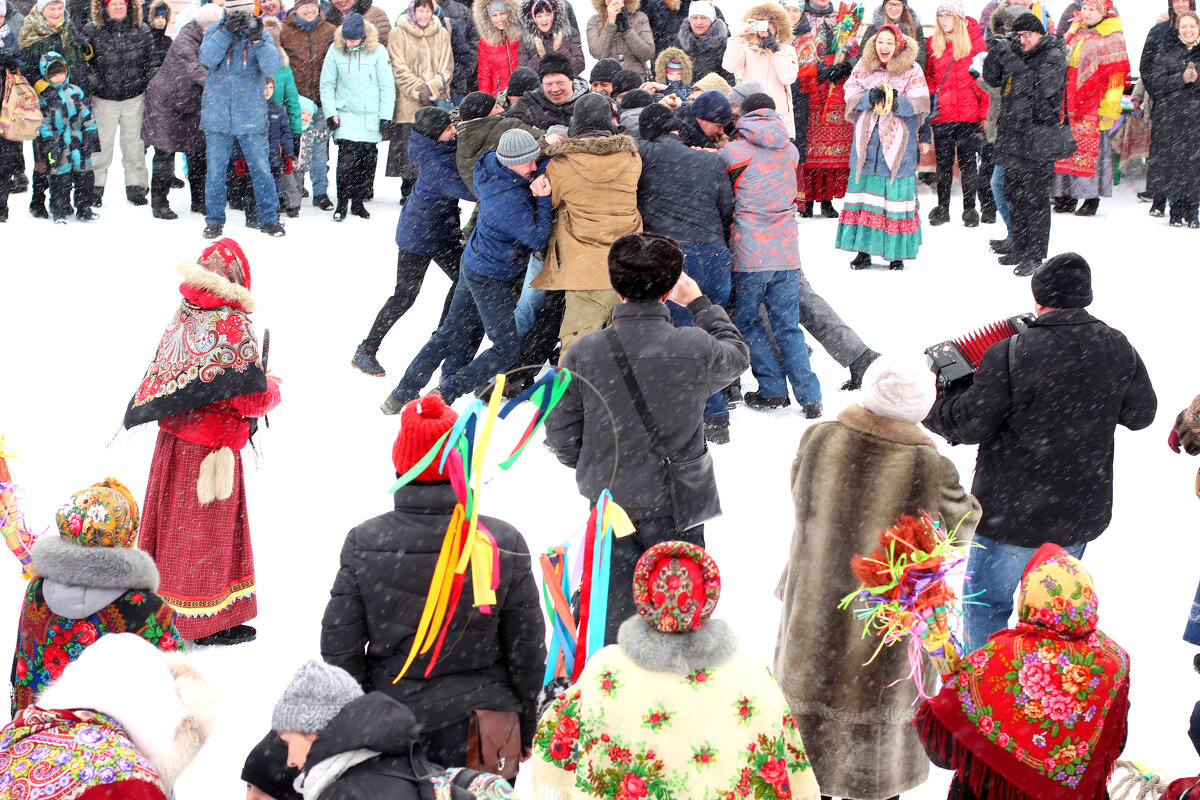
{"x":676,"y":586}
{"x":1042,"y":704}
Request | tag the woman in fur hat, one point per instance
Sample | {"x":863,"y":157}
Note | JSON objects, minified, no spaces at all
{"x":123,"y":722}
{"x":888,"y":100}
{"x":499,"y":43}
{"x":92,"y":581}
{"x":546,"y":28}
{"x":851,"y":479}
{"x":206,"y":387}
{"x":676,"y":708}
{"x":621,"y":31}
{"x":761,"y":51}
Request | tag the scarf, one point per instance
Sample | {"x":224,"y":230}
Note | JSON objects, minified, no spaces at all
{"x":713,"y":39}
{"x":308,"y":26}
{"x":412,"y":15}
{"x":1043,"y":704}
{"x":893,"y":130}
{"x":37,"y":28}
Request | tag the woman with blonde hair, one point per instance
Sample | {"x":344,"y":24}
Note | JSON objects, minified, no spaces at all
{"x":961,"y":107}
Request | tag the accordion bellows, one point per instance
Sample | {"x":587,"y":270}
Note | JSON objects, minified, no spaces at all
{"x":958,"y":358}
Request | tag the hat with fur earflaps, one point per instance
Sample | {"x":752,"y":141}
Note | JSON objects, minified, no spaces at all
{"x":676,"y":586}
{"x":222,"y":270}
{"x":102,"y":515}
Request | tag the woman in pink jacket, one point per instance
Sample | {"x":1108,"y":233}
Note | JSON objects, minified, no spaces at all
{"x":762,"y":51}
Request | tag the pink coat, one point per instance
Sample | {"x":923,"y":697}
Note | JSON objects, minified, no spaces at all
{"x":776,"y":71}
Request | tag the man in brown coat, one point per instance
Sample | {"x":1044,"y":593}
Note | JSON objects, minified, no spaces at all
{"x":594,"y":175}
{"x":306,"y":37}
{"x":851,"y":479}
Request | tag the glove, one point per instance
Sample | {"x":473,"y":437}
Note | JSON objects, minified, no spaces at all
{"x":235,"y":22}
{"x":1173,"y":440}
{"x":287,"y":165}
{"x":769,"y":43}
{"x":253,"y":28}
{"x":877,"y":96}
{"x":385,"y":128}
{"x":424,"y":95}
{"x":239,"y":167}
{"x":332,"y":123}
{"x":622,"y":22}
{"x":1182,"y":435}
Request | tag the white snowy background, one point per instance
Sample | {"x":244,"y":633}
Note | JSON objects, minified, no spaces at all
{"x":82,"y":307}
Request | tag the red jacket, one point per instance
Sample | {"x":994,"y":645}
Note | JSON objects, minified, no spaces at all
{"x":496,"y":64}
{"x":960,"y":99}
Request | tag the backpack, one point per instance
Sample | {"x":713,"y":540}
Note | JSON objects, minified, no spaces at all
{"x":20,"y":117}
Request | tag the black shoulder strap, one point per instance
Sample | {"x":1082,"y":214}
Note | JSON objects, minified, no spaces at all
{"x":635,"y":391}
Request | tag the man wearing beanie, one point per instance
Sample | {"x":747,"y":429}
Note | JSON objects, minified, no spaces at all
{"x":739,"y":93}
{"x":686,"y":194}
{"x":595,"y":176}
{"x":1043,"y":408}
{"x":497,"y":659}
{"x":674,"y":370}
{"x":1032,"y":65}
{"x":626,"y":81}
{"x":479,"y":131}
{"x":702,"y":122}
{"x":620,"y":32}
{"x":515,"y":218}
{"x":603,"y":75}
{"x":428,"y":228}
{"x":523,"y":81}
{"x":632,"y":104}
{"x":704,"y":36}
{"x":554,"y":102}
{"x":853,"y":478}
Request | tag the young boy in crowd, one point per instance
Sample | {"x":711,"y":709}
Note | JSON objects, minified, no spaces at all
{"x":281,"y":150}
{"x":66,"y":141}
{"x":313,"y":139}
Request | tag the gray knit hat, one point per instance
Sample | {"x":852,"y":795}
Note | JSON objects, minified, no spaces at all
{"x":517,"y":147}
{"x":317,"y":693}
{"x":739,"y":93}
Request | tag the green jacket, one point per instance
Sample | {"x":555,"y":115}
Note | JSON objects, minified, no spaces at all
{"x":287,"y":96}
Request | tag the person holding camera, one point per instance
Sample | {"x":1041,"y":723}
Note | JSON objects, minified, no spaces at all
{"x":762,"y":52}
{"x":1043,"y":407}
{"x":234,"y":107}
{"x":1031,"y":65}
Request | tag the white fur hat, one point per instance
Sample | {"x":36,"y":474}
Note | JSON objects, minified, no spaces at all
{"x":703,"y":8}
{"x":900,"y":387}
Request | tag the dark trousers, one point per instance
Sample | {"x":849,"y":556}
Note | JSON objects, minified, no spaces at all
{"x":1028,"y":194}
{"x":410,"y":274}
{"x":398,"y":163}
{"x":354,"y":171}
{"x":447,"y":746}
{"x":950,"y":138}
{"x":625,"y":554}
{"x":60,"y":192}
{"x":11,"y":163}
{"x":986,"y":201}
{"x":1183,"y":209}
{"x":162,"y":169}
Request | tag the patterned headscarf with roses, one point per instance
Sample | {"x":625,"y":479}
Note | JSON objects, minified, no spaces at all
{"x":1043,"y":704}
{"x":676,"y":586}
{"x":102,"y":515}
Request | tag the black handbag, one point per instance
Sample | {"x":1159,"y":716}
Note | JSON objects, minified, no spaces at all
{"x":933,"y":98}
{"x":692,"y":483}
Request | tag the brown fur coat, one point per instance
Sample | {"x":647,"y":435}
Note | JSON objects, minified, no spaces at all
{"x":850,"y":479}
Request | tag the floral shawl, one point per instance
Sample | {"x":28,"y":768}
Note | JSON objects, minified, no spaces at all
{"x":1096,"y":71}
{"x":906,"y":77}
{"x":627,"y":732}
{"x":1042,"y":705}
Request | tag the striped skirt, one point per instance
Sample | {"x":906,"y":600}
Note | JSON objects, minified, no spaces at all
{"x":881,"y":217}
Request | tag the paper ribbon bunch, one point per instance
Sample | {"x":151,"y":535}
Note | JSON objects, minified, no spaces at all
{"x":850,"y":17}
{"x":905,"y":594}
{"x":467,"y":542}
{"x":570,"y":645}
{"x":12,"y":522}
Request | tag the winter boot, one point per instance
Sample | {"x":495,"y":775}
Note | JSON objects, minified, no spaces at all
{"x":176,"y":183}
{"x":716,"y":430}
{"x":1009,"y":259}
{"x":359,"y":210}
{"x":970,"y":218}
{"x":861,"y":261}
{"x":86,"y":215}
{"x":1158,"y":207}
{"x":274,"y":229}
{"x":827,"y":210}
{"x":136,"y":195}
{"x":939,"y":215}
{"x":20,"y":183}
{"x":988,"y":217}
{"x":1088,"y":209}
{"x":252,"y":221}
{"x":733,"y":394}
{"x":1065,"y":205}
{"x":238,"y":634}
{"x":756,"y":400}
{"x":198,"y":207}
{"x":97,"y":196}
{"x":38,"y":211}
{"x":896,"y":264}
{"x":213,"y":231}
{"x":160,"y":208}
{"x":340,"y":213}
{"x":1000,"y":246}
{"x":813,"y":410}
{"x":807,"y":212}
{"x":391,"y":406}
{"x":364,"y":361}
{"x":1026,"y":268}
{"x":857,"y":367}
{"x":323,"y":202}
{"x":1145,"y":197}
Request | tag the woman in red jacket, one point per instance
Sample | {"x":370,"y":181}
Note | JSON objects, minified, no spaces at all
{"x":961,"y":107}
{"x":499,"y":39}
{"x":206,"y":387}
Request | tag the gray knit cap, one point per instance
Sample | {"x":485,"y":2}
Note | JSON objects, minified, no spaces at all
{"x":317,"y":693}
{"x":739,"y":93}
{"x":517,"y":147}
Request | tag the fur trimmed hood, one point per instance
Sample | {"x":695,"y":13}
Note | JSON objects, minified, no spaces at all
{"x":594,"y":145}
{"x":370,"y":38}
{"x":631,"y":7}
{"x":560,"y":29}
{"x":487,"y":31}
{"x":198,"y":277}
{"x":154,"y":7}
{"x":134,"y":14}
{"x":56,"y":559}
{"x":775,"y":14}
{"x":660,"y":65}
{"x":274,"y":27}
{"x":673,"y":5}
{"x":709,"y":646}
{"x":901,"y":62}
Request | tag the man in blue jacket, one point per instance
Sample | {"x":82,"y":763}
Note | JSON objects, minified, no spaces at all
{"x":234,"y":107}
{"x":515,"y":219}
{"x":428,"y":229}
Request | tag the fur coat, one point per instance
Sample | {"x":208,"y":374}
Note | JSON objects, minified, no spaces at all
{"x":685,"y":715}
{"x":594,"y":184}
{"x":630,"y":40}
{"x":420,"y":57}
{"x":850,"y":479}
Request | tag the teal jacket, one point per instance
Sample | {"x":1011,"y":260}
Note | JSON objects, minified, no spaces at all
{"x":358,"y":88}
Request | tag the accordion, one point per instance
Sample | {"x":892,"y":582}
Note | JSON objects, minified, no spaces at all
{"x":959,"y":358}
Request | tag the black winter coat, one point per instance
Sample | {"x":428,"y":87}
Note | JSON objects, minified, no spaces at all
{"x":489,"y":660}
{"x":1154,"y":40}
{"x":684,"y":193}
{"x":676,"y":368}
{"x":377,"y":723}
{"x":1044,"y":419}
{"x":1031,"y":86}
{"x":536,"y":109}
{"x":690,"y":132}
{"x":162,"y":43}
{"x":171,"y":117}
{"x":1175,"y":145}
{"x":124,"y":55}
{"x":665,"y":21}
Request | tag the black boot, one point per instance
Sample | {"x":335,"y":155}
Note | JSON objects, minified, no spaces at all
{"x":827,"y":210}
{"x":136,"y":195}
{"x":340,"y":213}
{"x":861,"y":261}
{"x":1088,"y":209}
{"x":97,"y":196}
{"x":857,"y":367}
{"x":1159,"y":206}
{"x":808,"y":211}
{"x":359,"y":210}
{"x":159,"y":207}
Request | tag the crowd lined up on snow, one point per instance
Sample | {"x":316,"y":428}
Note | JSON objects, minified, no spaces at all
{"x":637,"y":229}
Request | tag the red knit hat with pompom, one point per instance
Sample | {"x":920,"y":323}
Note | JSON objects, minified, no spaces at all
{"x":422,"y":423}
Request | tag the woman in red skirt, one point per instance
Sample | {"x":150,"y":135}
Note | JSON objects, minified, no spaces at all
{"x":205,"y":387}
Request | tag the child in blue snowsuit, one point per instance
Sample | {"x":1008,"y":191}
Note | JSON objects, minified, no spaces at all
{"x":66,"y":141}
